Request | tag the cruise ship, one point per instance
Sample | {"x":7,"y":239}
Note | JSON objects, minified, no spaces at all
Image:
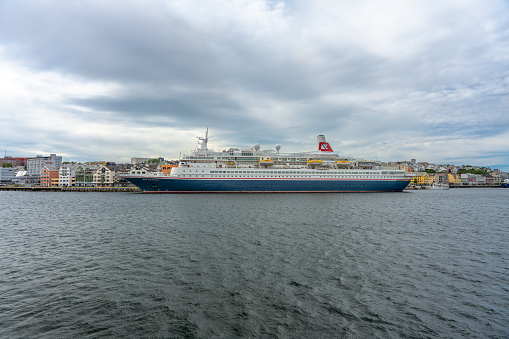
{"x":253,"y":170}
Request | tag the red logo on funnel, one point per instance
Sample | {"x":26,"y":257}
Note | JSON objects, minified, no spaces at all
{"x":325,"y":147}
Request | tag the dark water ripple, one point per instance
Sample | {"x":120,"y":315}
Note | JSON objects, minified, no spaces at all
{"x":422,"y":264}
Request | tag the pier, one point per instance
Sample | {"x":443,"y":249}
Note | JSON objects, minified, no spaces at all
{"x":71,"y":189}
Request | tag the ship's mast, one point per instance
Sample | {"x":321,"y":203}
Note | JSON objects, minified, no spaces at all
{"x":203,"y":141}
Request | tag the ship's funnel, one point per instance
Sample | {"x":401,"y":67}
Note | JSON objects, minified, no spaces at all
{"x":323,"y":145}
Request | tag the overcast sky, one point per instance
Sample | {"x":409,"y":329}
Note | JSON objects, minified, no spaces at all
{"x":383,"y":80}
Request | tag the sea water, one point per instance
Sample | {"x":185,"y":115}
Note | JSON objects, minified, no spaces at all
{"x":418,"y":264}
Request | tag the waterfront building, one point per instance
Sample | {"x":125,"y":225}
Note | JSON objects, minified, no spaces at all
{"x":480,"y":179}
{"x":496,"y":178}
{"x":67,"y":175}
{"x":48,"y":176}
{"x":464,"y":179}
{"x":84,"y":175}
{"x":35,"y":165}
{"x":441,"y":178}
{"x":23,"y":179}
{"x":104,"y":176}
{"x":489,"y":179}
{"x":454,"y":179}
{"x":20,"y":178}
{"x":423,"y":179}
{"x":6,"y":175}
{"x":472,"y":179}
{"x":109,"y":175}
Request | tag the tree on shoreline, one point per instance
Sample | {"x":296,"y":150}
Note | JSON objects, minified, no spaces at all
{"x":472,"y":171}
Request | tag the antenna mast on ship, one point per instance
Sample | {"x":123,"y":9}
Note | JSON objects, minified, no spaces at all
{"x":203,"y":141}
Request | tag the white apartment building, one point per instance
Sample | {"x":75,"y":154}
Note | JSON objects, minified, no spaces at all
{"x":66,"y":175}
{"x":104,"y":176}
{"x":138,"y":170}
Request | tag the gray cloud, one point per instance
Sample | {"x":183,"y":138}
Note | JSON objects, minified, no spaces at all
{"x":363,"y":73}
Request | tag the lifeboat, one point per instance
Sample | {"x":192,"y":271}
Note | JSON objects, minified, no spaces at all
{"x":342,"y":163}
{"x":266,"y":162}
{"x":314,"y":163}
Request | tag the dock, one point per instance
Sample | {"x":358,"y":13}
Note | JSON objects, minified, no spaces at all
{"x":72,"y":189}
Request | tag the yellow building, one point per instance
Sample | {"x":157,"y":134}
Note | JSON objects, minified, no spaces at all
{"x":423,"y":179}
{"x":454,"y":179}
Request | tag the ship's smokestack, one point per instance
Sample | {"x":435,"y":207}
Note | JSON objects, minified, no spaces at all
{"x":320,"y":139}
{"x":323,"y":145}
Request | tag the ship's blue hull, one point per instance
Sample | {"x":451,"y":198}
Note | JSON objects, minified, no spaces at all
{"x":178,"y":185}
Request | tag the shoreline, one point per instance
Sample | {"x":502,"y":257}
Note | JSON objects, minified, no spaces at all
{"x":72,"y":189}
{"x":138,"y":190}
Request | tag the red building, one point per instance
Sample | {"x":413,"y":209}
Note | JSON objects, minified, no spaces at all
{"x":14,"y":161}
{"x":48,"y":175}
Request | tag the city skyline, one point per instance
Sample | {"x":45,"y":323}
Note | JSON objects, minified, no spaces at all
{"x":388,"y":81}
{"x":419,"y":166}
